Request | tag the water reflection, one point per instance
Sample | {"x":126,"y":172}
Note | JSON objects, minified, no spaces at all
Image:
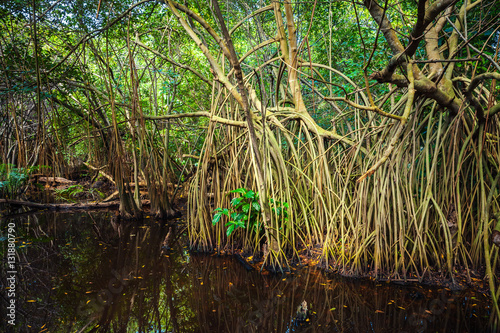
{"x":77,"y":272}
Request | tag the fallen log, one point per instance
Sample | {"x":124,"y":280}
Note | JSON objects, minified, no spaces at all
{"x":93,"y":205}
{"x":55,"y":180}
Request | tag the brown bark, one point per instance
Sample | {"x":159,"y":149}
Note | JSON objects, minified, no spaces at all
{"x":111,"y":204}
{"x":59,"y":180}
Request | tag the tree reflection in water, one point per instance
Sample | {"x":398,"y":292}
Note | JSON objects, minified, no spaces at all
{"x":77,"y":272}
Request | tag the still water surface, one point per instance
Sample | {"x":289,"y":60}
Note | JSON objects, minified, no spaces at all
{"x":86,"y":272}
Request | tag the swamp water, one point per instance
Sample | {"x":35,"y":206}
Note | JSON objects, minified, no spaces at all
{"x":86,"y":272}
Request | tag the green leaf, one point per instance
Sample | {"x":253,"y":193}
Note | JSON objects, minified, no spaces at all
{"x":236,"y":201}
{"x":256,"y":206}
{"x":230,"y":230}
{"x":216,"y":218}
{"x":250,"y":194}
{"x":239,"y":190}
{"x":245,"y":208}
{"x":240,"y":217}
{"x":225,"y":211}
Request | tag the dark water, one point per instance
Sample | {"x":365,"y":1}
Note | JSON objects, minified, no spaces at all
{"x":85,"y":272}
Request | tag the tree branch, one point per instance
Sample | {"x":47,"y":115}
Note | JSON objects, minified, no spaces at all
{"x":402,"y":123}
{"x":192,"y":70}
{"x":474,"y":102}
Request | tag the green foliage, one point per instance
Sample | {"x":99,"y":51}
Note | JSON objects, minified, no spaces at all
{"x":72,"y":192}
{"x":69,"y":193}
{"x":13,"y":180}
{"x":279,"y":209}
{"x":245,"y":211}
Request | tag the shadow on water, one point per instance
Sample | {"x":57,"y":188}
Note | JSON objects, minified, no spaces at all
{"x":87,"y":272}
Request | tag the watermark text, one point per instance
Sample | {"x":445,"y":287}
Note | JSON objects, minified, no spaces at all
{"x":11,"y":273}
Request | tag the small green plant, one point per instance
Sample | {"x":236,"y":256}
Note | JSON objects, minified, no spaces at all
{"x":13,"y":180}
{"x":279,"y":208}
{"x":69,"y":193}
{"x":244,"y":210}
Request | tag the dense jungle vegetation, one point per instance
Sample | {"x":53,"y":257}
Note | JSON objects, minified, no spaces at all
{"x":366,"y":132}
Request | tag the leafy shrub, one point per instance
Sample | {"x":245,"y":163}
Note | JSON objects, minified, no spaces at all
{"x":246,"y":210}
{"x":13,"y":180}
